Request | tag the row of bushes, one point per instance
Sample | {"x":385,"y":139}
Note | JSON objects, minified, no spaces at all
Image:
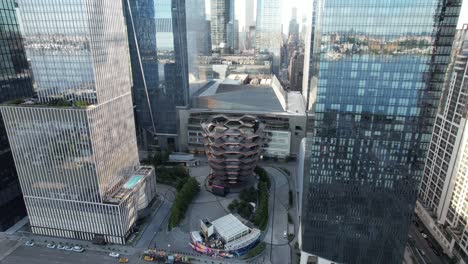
{"x":263,"y":175}
{"x":183,"y":199}
{"x":261,"y":214}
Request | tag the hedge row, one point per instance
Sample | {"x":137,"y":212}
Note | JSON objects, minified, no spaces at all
{"x":261,"y":214}
{"x":263,"y":175}
{"x":183,"y":199}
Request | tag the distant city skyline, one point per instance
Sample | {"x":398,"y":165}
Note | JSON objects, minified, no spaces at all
{"x":304,"y":6}
{"x":303,"y":9}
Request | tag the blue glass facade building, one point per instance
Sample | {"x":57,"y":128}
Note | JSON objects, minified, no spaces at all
{"x":161,"y":34}
{"x":15,"y":81}
{"x":376,"y":71}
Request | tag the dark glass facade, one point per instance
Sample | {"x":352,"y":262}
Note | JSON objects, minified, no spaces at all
{"x":15,"y":82}
{"x":376,"y":73}
{"x":161,"y":33}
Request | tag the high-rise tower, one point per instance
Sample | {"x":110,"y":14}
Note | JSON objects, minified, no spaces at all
{"x":268,"y":30}
{"x":15,"y":81}
{"x":373,"y":85}
{"x":249,"y":15}
{"x":161,"y":35}
{"x":222,"y":25}
{"x":75,"y":146}
{"x":443,"y":193}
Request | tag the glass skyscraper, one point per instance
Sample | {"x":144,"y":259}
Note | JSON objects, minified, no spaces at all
{"x":15,"y":81}
{"x":198,"y":35}
{"x":268,"y":30}
{"x":75,"y":146}
{"x":222,"y":25}
{"x":376,"y":71}
{"x":160,"y":28}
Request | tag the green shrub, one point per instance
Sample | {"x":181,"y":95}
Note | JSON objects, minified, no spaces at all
{"x":290,"y":219}
{"x":183,"y":199}
{"x":290,"y":198}
{"x":173,"y":176}
{"x":260,"y":218}
{"x":59,"y":102}
{"x":233,"y":205}
{"x":261,"y":215}
{"x":249,"y":195}
{"x":286,"y":171}
{"x":245,"y":209}
{"x":257,"y":250}
{"x":81,"y":103}
{"x":263,"y":175}
{"x":17,"y":101}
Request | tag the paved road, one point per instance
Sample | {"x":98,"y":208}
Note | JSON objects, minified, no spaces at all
{"x":278,"y":245}
{"x":158,"y":221}
{"x":422,"y":244}
{"x":41,"y":255}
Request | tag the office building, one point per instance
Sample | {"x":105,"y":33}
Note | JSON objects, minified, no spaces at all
{"x":268,"y":30}
{"x":142,"y":12}
{"x":249,"y":21}
{"x":160,"y":28}
{"x":293,"y":25}
{"x":222,"y":16}
{"x":198,"y":35}
{"x":375,"y":76}
{"x":196,"y":28}
{"x":74,"y":145}
{"x":443,"y":193}
{"x":235,"y":44}
{"x":296,"y":70}
{"x":15,"y":81}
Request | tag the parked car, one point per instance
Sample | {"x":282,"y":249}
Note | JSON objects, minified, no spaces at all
{"x":50,"y":245}
{"x":123,"y":260}
{"x":424,"y":235}
{"x":78,"y":249}
{"x":60,"y":246}
{"x":285,"y":234}
{"x":69,"y":248}
{"x":114,"y":254}
{"x":29,"y":243}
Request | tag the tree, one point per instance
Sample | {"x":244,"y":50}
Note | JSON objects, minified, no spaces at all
{"x":233,"y":205}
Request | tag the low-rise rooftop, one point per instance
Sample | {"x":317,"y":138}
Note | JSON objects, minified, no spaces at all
{"x":241,"y":92}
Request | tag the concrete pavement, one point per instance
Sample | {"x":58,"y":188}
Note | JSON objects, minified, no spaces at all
{"x":167,"y":194}
{"x":278,"y":248}
{"x":40,"y":255}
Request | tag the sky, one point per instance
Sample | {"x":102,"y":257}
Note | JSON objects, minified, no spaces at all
{"x":304,"y":6}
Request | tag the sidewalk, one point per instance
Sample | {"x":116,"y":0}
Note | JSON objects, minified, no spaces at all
{"x":87,"y":245}
{"x":17,"y":226}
